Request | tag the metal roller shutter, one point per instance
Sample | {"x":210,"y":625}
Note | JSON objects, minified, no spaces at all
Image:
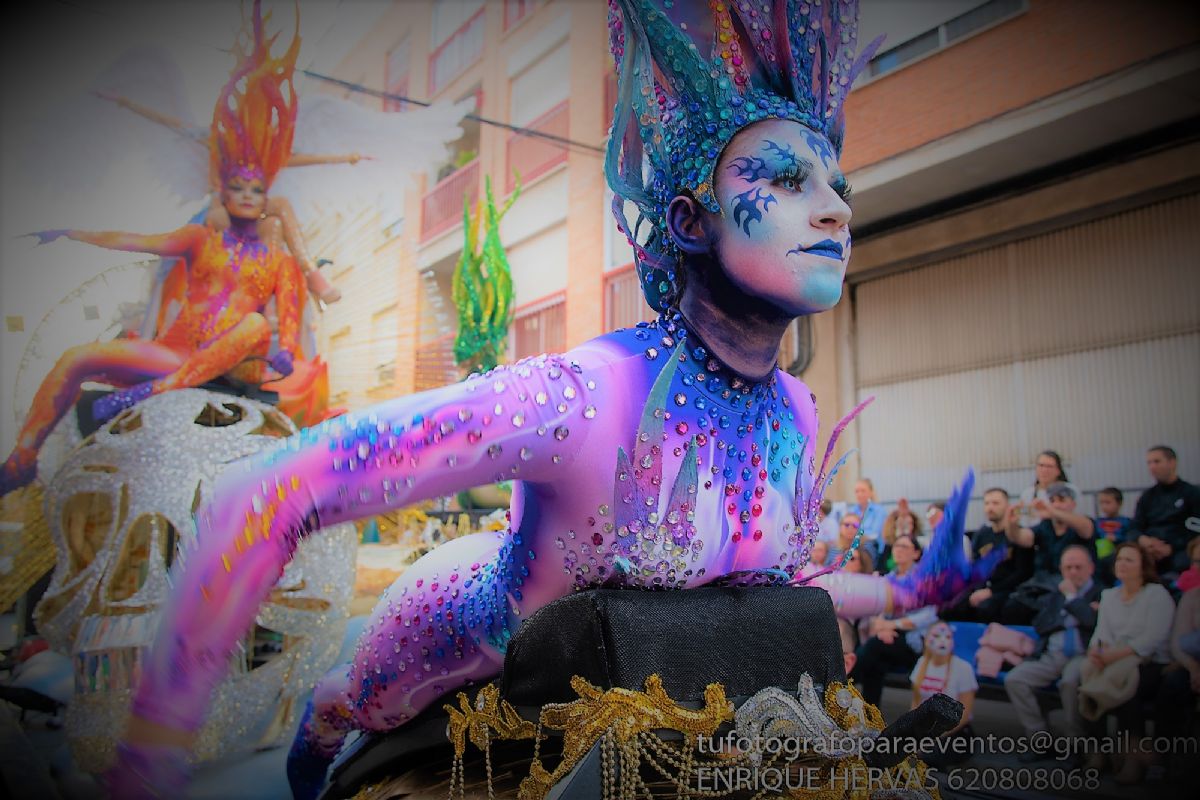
{"x":1085,"y":340}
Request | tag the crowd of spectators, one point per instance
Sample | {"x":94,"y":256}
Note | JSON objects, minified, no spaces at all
{"x":1114,"y":602}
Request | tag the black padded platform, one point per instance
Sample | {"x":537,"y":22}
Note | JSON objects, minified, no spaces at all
{"x":745,"y":638}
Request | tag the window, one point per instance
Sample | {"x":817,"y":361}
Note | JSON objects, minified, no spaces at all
{"x":959,"y":27}
{"x":457,"y":40}
{"x":515,"y":11}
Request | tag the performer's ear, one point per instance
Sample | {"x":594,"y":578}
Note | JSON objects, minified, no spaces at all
{"x":690,"y":225}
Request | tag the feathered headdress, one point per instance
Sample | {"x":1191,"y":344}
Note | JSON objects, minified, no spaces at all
{"x":693,"y":73}
{"x":255,"y":116}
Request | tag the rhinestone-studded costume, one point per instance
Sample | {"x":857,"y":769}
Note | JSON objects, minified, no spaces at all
{"x":697,"y":482}
{"x":640,"y":460}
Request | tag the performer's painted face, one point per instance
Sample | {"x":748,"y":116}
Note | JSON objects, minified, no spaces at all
{"x":244,"y":197}
{"x":785,"y":231}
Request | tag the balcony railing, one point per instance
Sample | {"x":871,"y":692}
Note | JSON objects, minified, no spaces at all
{"x":541,"y":328}
{"x":457,"y":54}
{"x":435,"y":364}
{"x":442,"y":206}
{"x":532,"y":156}
{"x":624,"y":305}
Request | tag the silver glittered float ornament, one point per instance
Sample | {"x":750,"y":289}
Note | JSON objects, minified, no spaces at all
{"x":120,"y":514}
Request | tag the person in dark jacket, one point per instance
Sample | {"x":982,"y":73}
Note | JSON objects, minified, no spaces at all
{"x":1064,"y":624}
{"x":985,"y":603}
{"x":1167,"y":515}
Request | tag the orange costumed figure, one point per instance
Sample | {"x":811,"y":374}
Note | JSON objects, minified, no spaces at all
{"x":229,"y":275}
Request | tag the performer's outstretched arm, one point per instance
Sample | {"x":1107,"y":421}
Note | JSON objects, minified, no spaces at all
{"x":526,"y":421}
{"x":178,"y":243}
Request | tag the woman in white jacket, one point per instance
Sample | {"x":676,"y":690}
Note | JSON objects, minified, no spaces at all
{"x":1127,"y":653}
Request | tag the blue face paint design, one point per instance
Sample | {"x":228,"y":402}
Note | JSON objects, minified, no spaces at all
{"x":750,"y":168}
{"x":747,"y":203}
{"x":821,"y":146}
{"x":785,"y":154}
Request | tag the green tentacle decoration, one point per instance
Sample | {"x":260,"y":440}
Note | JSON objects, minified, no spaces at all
{"x":482,"y":288}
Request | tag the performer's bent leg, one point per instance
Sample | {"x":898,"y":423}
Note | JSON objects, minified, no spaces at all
{"x":249,"y":336}
{"x":121,"y":362}
{"x":439,"y":627}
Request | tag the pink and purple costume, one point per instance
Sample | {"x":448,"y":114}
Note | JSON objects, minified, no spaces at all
{"x":705,"y":480}
{"x":640,"y":460}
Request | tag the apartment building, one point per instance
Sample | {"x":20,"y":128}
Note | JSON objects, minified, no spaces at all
{"x":1023,"y":276}
{"x":1025,"y":264}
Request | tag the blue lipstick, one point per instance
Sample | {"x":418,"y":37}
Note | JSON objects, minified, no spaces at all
{"x":827,"y":248}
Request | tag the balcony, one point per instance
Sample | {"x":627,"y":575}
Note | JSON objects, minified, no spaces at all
{"x":624,"y":304}
{"x":540,"y":328}
{"x":532,"y":156}
{"x":435,"y":364}
{"x":442,"y":206}
{"x":457,"y":54}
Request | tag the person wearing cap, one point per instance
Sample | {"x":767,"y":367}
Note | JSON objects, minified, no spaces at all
{"x":1061,"y":527}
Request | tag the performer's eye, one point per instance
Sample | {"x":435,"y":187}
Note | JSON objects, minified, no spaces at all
{"x":843,"y":189}
{"x":789,"y":180}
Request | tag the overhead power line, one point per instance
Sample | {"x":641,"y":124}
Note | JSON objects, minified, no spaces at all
{"x":397,"y":98}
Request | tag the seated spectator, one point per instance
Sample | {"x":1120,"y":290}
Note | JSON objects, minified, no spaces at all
{"x":1176,"y":697}
{"x":819,"y":555}
{"x":906,"y":552}
{"x":1160,"y":520}
{"x":1060,"y":528}
{"x":1047,"y":470}
{"x":847,"y":530}
{"x":1064,"y":625}
{"x":1126,"y":656}
{"x":828,"y":524}
{"x":1190,"y":578}
{"x":869,"y":512}
{"x":892,"y":643}
{"x":860,"y":564}
{"x":985,"y":603}
{"x":1111,"y":529}
{"x":939,"y":671}
{"x":902,"y":521}
{"x":849,"y":643}
{"x":1111,"y":526}
{"x":933,"y":517}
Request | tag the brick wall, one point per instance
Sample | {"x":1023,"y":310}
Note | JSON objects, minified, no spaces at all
{"x":1055,"y":45}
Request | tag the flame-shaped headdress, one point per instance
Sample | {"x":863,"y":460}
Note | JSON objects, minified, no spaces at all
{"x":255,"y":116}
{"x":691,"y":75}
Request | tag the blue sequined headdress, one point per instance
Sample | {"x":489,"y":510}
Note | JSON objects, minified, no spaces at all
{"x":691,"y":74}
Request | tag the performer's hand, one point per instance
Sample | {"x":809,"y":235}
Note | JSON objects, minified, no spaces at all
{"x":45,"y":237}
{"x":281,"y":362}
{"x":1194,"y":676}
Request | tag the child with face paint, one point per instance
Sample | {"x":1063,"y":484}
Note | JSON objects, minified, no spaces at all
{"x":666,"y":456}
{"x":939,"y":671}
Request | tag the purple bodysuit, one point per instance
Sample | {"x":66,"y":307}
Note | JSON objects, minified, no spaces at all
{"x":638,"y":461}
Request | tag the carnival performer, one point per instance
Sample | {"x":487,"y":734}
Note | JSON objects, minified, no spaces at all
{"x":230,"y":273}
{"x":670,"y":455}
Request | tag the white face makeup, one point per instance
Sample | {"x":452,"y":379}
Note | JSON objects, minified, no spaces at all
{"x":784,"y":235}
{"x":940,"y":640}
